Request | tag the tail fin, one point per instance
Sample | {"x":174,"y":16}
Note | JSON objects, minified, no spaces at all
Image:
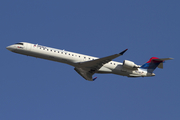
{"x":154,"y":62}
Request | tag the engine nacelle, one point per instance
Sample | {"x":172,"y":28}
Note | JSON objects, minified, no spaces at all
{"x":130,"y":64}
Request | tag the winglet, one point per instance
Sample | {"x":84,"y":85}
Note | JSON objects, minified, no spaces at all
{"x":123,"y":52}
{"x":94,"y":78}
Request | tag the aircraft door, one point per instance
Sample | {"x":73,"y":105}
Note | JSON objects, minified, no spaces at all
{"x":28,"y":46}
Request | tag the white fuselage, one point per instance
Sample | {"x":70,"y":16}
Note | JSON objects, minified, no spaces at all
{"x":72,"y":59}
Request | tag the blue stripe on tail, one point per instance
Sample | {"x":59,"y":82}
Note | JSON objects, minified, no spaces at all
{"x":151,"y":65}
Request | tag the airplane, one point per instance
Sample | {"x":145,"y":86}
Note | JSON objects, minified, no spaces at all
{"x":87,"y":66}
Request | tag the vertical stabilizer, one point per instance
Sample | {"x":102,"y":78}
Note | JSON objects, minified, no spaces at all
{"x":154,"y":62}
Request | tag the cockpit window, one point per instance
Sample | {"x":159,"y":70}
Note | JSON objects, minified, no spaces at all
{"x":19,"y":43}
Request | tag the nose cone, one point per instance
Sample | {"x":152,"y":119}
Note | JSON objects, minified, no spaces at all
{"x":10,"y":48}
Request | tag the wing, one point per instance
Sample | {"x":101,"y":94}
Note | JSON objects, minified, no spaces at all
{"x":87,"y":69}
{"x":86,"y":74}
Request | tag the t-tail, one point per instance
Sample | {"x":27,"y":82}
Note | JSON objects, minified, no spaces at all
{"x":153,"y":63}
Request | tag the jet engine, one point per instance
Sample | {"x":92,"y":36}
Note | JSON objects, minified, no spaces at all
{"x":130,"y":64}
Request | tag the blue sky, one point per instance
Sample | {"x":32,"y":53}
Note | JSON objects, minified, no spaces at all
{"x":34,"y":89}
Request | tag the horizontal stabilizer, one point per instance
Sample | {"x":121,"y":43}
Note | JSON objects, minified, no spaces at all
{"x":162,"y":59}
{"x":160,"y":65}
